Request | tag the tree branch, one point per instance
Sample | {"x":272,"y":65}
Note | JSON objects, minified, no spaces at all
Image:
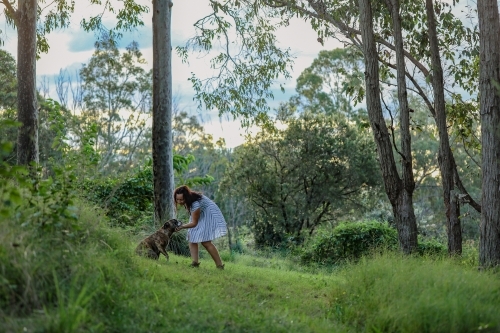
{"x":11,"y":11}
{"x":392,"y":128}
{"x":348,"y":31}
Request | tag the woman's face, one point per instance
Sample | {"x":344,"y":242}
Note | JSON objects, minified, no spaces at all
{"x":179,"y":199}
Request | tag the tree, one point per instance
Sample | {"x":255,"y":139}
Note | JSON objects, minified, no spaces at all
{"x":333,"y":82}
{"x":341,"y":19}
{"x":190,"y":138}
{"x":27,"y":106}
{"x":489,"y":78}
{"x":117,"y":99}
{"x":8,"y":100}
{"x":53,"y":118}
{"x":33,"y":23}
{"x":409,"y":226}
{"x":9,"y":81}
{"x":248,"y":65}
{"x":298,"y":178}
{"x":446,"y":159}
{"x":399,"y":191}
{"x":163,"y":172}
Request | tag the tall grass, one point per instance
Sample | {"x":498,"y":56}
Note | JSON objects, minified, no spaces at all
{"x":95,"y":283}
{"x":392,"y":293}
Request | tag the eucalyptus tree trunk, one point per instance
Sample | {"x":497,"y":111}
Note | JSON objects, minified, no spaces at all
{"x":163,"y":169}
{"x":489,"y":78}
{"x":446,"y":159}
{"x":398,"y":190}
{"x":27,"y":109}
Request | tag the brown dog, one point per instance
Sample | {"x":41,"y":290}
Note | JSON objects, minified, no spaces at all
{"x":153,"y":245}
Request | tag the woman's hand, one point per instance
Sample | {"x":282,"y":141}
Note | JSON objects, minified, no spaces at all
{"x":179,"y":228}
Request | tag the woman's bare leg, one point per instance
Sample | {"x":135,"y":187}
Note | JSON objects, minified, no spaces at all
{"x":214,"y":253}
{"x":193,"y":249}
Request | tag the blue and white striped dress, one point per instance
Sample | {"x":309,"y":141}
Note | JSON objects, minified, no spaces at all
{"x":211,"y":224}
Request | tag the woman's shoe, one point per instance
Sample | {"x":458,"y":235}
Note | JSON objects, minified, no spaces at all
{"x":195,"y":264}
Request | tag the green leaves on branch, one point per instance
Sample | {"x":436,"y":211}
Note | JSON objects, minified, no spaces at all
{"x":245,"y":60}
{"x":298,"y":177}
{"x":464,"y":120}
{"x":181,"y":165}
{"x":333,"y":82}
{"x":128,"y":17}
{"x":44,"y":204}
{"x":53,"y":15}
{"x":128,"y":200}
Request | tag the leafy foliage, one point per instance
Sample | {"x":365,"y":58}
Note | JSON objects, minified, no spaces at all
{"x":296,"y":178}
{"x":8,"y":89}
{"x":248,"y":66}
{"x":54,"y":120}
{"x":53,"y":15}
{"x":349,"y":242}
{"x":117,"y":100}
{"x":129,"y":201}
{"x":431,"y":247}
{"x":42,"y":211}
{"x":333,"y":82}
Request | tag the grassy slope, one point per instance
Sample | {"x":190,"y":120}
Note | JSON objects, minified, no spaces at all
{"x":109,"y":289}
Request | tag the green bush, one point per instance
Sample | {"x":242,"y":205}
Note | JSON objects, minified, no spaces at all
{"x":40,"y":227}
{"x":128,"y":202}
{"x":349,"y":241}
{"x":267,"y":234}
{"x":431,"y":247}
{"x":125,"y":201}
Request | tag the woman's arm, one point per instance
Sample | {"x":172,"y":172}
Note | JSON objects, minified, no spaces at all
{"x":195,"y":216}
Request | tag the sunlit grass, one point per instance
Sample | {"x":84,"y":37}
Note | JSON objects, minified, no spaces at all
{"x":392,"y":293}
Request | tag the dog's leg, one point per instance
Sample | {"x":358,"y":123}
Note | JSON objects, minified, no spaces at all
{"x":162,"y":249}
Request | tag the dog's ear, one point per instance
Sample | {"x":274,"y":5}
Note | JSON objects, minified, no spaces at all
{"x":171,"y":223}
{"x":175,"y":222}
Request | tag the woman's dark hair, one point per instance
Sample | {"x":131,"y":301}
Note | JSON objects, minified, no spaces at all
{"x":188,"y":195}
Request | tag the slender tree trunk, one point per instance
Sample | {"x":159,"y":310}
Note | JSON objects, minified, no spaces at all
{"x":27,"y":108}
{"x":446,"y":161}
{"x":408,"y":224}
{"x":399,"y":196}
{"x":489,"y":76}
{"x":454,"y":226}
{"x":163,"y":170}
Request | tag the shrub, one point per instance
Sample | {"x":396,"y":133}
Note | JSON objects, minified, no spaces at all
{"x":39,"y":225}
{"x":126,"y":200}
{"x":267,"y":234}
{"x":431,"y":247}
{"x":129,"y":201}
{"x":349,"y":241}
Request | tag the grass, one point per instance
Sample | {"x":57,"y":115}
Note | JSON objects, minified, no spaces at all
{"x":100,"y":285}
{"x":391,"y":293}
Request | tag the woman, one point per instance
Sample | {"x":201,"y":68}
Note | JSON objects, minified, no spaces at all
{"x":206,"y":223}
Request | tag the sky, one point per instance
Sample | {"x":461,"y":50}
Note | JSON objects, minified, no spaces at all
{"x":72,"y":47}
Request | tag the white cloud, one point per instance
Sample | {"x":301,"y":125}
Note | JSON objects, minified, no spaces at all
{"x":72,"y":47}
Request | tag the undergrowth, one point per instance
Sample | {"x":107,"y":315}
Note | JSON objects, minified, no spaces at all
{"x":95,"y":283}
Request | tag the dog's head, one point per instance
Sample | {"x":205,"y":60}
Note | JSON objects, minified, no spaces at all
{"x":171,"y":225}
